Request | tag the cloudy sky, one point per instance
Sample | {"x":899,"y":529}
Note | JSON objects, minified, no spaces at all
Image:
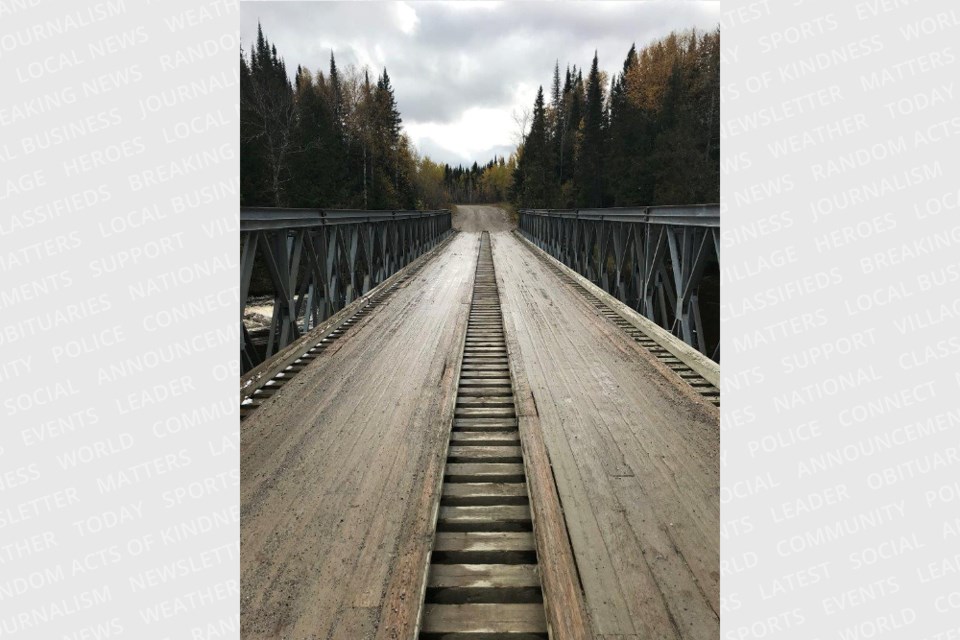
{"x":461,"y":69}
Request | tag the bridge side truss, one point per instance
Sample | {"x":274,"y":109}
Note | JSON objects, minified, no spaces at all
{"x":653,"y":259}
{"x":319,"y":261}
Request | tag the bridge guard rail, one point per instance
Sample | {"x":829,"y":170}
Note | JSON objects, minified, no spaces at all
{"x":317,"y":261}
{"x":658,"y":260}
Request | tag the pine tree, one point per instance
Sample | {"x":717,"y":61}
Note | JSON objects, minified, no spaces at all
{"x":267,"y":103}
{"x":558,"y":129}
{"x":535,"y":165}
{"x":653,"y":139}
{"x":590,"y":152}
{"x":572,"y":111}
{"x":390,"y":125}
{"x":627,"y":149}
{"x":332,"y":141}
{"x":392,"y":185}
{"x":317,"y":165}
{"x":336,"y":97}
{"x":364,"y":117}
{"x":252,"y":168}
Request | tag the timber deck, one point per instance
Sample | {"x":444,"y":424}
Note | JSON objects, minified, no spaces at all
{"x":343,"y":470}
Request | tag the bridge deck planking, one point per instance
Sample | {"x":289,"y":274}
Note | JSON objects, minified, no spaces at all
{"x":340,"y":467}
{"x":634,"y":456}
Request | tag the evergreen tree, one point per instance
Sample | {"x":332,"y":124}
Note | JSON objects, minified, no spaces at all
{"x":589,"y":178}
{"x":389,"y":126}
{"x":336,"y":98}
{"x":317,"y":165}
{"x":332,"y":141}
{"x":555,"y":92}
{"x":365,"y":136}
{"x":337,"y":141}
{"x":558,"y":129}
{"x":270,"y":117}
{"x":628,"y":148}
{"x":253,"y":169}
{"x":653,"y":139}
{"x":533,"y":176}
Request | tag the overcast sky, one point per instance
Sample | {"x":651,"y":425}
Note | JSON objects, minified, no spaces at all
{"x":460,"y":69}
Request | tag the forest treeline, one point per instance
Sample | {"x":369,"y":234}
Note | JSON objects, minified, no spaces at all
{"x":331,"y":140}
{"x":334,"y":138}
{"x":649,"y":135}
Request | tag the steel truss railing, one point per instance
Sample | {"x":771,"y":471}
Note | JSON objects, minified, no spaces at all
{"x":651,"y":258}
{"x":319,"y":261}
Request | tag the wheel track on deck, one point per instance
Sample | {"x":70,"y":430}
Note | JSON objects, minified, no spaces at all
{"x":686,"y":373}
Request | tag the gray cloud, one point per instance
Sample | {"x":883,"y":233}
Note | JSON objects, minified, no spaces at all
{"x":458,"y":57}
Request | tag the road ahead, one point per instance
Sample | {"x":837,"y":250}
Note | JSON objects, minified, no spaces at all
{"x":341,"y":467}
{"x":480,"y":217}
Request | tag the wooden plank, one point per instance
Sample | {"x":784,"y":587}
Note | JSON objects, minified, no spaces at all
{"x":478,"y":395}
{"x":484,"y":618}
{"x":484,"y":518}
{"x":486,"y":412}
{"x":485,"y":472}
{"x":483,"y":454}
{"x":486,"y":401}
{"x":485,"y":425}
{"x":484,"y":493}
{"x":461,"y":583}
{"x":469,"y":438}
{"x":488,"y":391}
{"x":489,"y":375}
{"x":484,"y":546}
{"x":490,"y":576}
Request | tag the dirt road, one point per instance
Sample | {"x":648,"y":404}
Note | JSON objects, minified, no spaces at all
{"x":480,"y":217}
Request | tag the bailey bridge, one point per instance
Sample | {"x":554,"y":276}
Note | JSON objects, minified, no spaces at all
{"x":458,"y":425}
